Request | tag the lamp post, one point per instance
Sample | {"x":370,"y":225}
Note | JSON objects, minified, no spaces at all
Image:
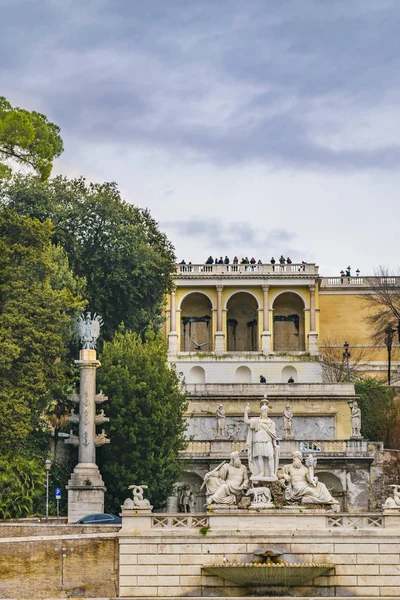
{"x":47,"y":466}
{"x":346,"y":356}
{"x":389,"y":335}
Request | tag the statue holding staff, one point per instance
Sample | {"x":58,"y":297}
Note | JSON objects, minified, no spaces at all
{"x":261,"y":445}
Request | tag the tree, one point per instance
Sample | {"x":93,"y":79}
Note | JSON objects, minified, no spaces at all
{"x":21,"y":484}
{"x":146,"y":408}
{"x":27,"y":138}
{"x":383,"y":304}
{"x":126,"y":260}
{"x":380,"y":419}
{"x":39,"y":300}
{"x":334,"y":363}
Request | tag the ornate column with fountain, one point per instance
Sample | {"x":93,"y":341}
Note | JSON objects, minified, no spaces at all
{"x":86,"y":487}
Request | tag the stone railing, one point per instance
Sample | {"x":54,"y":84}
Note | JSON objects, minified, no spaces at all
{"x":328,"y":521}
{"x":359,"y":281}
{"x":238,"y":446}
{"x":361,"y":521}
{"x":179,"y":521}
{"x":222,"y":448}
{"x":198,"y":448}
{"x":230,"y":269}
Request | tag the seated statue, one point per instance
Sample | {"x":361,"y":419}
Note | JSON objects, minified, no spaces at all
{"x":300,"y":484}
{"x":395,"y":501}
{"x":228,"y":482}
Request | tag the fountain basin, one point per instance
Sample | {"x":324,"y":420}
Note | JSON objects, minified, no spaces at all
{"x":270,"y":573}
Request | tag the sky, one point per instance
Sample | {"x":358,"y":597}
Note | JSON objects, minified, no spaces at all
{"x":254,"y":128}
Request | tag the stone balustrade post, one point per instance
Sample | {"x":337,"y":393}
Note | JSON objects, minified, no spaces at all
{"x":266,"y":334}
{"x":219,"y":335}
{"x":313,"y":335}
{"x":173,"y":334}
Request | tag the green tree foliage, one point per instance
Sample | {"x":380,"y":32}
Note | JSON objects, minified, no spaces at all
{"x":22,"y":482}
{"x":380,"y":412}
{"x":117,"y":247}
{"x":39,"y":299}
{"x":27,"y":138}
{"x":147,"y":428}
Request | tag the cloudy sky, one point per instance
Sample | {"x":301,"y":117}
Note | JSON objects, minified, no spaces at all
{"x":254,"y":127}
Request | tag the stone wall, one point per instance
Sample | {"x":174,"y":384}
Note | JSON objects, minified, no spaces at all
{"x":166,"y":560}
{"x":31,"y":567}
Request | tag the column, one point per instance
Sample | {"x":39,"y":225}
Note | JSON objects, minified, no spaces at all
{"x":266,"y":334}
{"x":313,"y":335}
{"x":87,"y":411}
{"x":85,"y":486}
{"x":219,"y":335}
{"x":173,"y":334}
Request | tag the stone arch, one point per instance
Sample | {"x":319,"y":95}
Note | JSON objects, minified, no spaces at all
{"x":196,"y":322}
{"x":184,"y":297}
{"x":197,"y":375}
{"x":243,"y":375}
{"x":242,"y":322}
{"x":334,"y":485}
{"x":249,"y":292}
{"x":289,"y":326}
{"x":199,"y":496}
{"x":288,"y":372}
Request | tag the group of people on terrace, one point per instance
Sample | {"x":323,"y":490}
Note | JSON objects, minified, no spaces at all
{"x":245,"y":261}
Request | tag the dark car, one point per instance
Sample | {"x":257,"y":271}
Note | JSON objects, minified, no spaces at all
{"x":100,"y":519}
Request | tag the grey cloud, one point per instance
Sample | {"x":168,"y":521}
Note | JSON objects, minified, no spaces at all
{"x":230,"y":234}
{"x":224,"y":81}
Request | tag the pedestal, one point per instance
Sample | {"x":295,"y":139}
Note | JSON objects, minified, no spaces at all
{"x":173,"y":343}
{"x":266,"y":342}
{"x":85,"y":492}
{"x":219,"y":342}
{"x":313,"y":343}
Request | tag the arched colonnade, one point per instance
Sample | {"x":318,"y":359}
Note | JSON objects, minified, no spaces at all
{"x":243,"y":321}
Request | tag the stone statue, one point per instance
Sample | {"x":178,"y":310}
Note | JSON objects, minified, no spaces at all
{"x":261,"y":445}
{"x":185,"y":499}
{"x":355,"y":420}
{"x":89,"y":330}
{"x":138,"y":502}
{"x":288,"y":422}
{"x":221,"y":420}
{"x":299,"y":482}
{"x":395,"y":501}
{"x":227,"y":483}
{"x":261,"y":498}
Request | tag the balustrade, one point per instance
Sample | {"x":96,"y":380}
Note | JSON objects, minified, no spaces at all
{"x":322,"y":447}
{"x":179,"y":521}
{"x":246,"y":269}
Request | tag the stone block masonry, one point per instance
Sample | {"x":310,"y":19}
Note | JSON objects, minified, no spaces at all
{"x":167,"y":562}
{"x":31,"y":567}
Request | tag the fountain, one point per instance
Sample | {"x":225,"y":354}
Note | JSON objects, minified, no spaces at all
{"x":269,"y":570}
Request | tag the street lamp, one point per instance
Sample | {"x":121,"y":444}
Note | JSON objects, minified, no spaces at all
{"x":47,"y":466}
{"x":389,"y":335}
{"x":346,"y":356}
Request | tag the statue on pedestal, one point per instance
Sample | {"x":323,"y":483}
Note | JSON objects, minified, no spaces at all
{"x":89,"y":330}
{"x":299,"y":482}
{"x":221,"y":420}
{"x":395,"y":501}
{"x":288,"y":423}
{"x":138,"y":502}
{"x":227,"y":483}
{"x":185,"y":499}
{"x":261,"y":445}
{"x":355,"y":420}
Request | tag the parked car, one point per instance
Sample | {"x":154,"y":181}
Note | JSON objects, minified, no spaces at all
{"x":100,"y":519}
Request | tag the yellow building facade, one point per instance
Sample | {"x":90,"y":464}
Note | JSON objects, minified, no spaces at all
{"x":247,"y":334}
